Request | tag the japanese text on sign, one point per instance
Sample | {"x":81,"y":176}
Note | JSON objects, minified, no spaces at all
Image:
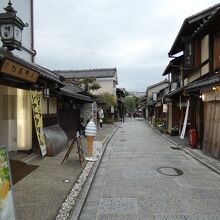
{"x":13,"y":69}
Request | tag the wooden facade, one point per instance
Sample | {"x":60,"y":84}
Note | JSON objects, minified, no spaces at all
{"x":200,"y":44}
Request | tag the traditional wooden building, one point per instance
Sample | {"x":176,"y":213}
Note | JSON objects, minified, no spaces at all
{"x":198,"y":69}
{"x":154,"y":102}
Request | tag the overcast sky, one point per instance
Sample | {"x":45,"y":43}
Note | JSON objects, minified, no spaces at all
{"x":132,"y":35}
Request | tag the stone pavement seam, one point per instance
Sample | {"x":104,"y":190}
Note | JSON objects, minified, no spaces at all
{"x":186,"y":150}
{"x":74,"y":215}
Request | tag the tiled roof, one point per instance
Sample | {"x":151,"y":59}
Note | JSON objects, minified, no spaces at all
{"x":189,"y":25}
{"x":203,"y":83}
{"x":208,"y":21}
{"x":89,"y":73}
{"x":158,"y":84}
{"x":67,"y":91}
{"x":174,"y":64}
{"x":48,"y":74}
{"x":73,"y":88}
{"x":175,"y":92}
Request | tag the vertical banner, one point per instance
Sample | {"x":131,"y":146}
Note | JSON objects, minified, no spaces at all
{"x":38,"y":120}
{"x":7,"y":210}
{"x":185,"y":121}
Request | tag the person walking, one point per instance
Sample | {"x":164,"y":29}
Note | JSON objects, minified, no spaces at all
{"x":101,"y":116}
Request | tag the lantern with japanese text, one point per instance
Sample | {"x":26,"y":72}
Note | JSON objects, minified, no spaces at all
{"x":11,"y":28}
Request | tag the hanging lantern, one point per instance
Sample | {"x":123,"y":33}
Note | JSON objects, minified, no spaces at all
{"x":11,"y":28}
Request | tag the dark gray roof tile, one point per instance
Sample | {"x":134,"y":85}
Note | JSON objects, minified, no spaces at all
{"x":89,"y":73}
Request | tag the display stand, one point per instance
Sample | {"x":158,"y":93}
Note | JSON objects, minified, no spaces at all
{"x":77,"y":140}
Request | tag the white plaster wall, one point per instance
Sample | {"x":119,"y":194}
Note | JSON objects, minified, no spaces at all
{"x":205,"y":48}
{"x":106,"y":86}
{"x":53,"y":105}
{"x":23,"y":8}
{"x":156,"y":89}
{"x":205,"y":69}
{"x":193,"y":76}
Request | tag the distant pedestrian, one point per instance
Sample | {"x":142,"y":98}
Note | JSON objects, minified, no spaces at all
{"x":100,"y":116}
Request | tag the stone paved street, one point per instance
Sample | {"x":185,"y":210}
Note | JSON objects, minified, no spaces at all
{"x":136,"y":180}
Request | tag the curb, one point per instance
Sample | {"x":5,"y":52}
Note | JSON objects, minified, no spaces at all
{"x":185,"y":150}
{"x":74,"y":215}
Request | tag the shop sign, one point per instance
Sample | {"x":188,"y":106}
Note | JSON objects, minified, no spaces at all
{"x":7,"y":210}
{"x":17,"y":70}
{"x":38,"y":119}
{"x":165,"y":108}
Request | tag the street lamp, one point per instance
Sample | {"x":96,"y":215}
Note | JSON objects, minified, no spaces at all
{"x":11,"y":28}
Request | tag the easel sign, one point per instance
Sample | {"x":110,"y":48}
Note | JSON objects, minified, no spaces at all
{"x":7,"y":209}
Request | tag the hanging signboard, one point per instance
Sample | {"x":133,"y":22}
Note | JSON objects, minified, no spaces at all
{"x":17,"y":70}
{"x":7,"y":209}
{"x":185,"y":121}
{"x":38,"y":120}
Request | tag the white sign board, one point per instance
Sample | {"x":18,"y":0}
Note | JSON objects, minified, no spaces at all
{"x":97,"y":149}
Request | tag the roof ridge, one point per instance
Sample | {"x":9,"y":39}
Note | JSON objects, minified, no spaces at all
{"x":86,"y":70}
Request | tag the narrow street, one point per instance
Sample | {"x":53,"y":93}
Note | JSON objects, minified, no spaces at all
{"x":136,"y":180}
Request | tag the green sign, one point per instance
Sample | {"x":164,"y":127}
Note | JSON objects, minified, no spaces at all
{"x":7,"y":210}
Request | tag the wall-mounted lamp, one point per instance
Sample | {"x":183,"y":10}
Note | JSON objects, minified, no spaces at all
{"x":11,"y":28}
{"x":213,"y":88}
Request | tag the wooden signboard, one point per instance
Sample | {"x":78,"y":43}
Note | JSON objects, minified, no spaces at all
{"x":17,"y":70}
{"x":7,"y":210}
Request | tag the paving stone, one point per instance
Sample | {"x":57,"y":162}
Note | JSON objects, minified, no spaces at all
{"x":157,"y":205}
{"x":95,"y":194}
{"x":132,"y":188}
{"x":118,"y":205}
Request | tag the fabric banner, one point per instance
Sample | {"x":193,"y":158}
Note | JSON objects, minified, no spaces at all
{"x":7,"y":209}
{"x":38,"y":120}
{"x":185,"y":121}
